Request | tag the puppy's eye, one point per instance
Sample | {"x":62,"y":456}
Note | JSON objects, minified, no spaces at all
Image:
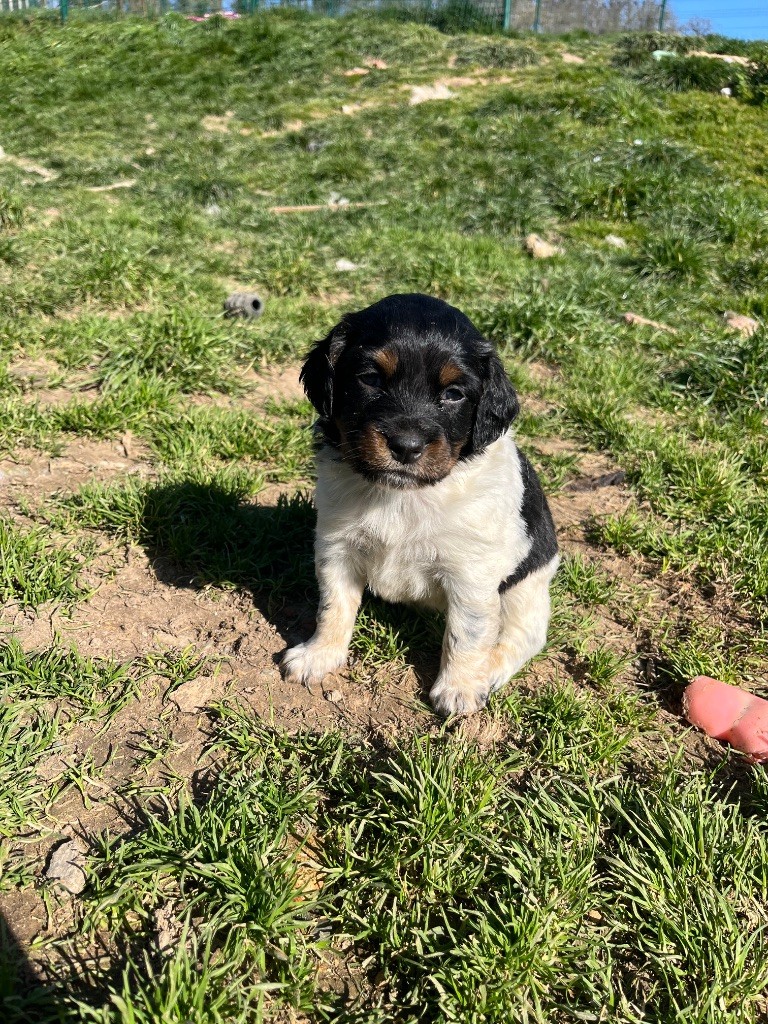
{"x":453,"y":395}
{"x":371,"y":378}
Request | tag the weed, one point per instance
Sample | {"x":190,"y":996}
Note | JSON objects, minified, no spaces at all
{"x":33,"y":569}
{"x":586,"y":581}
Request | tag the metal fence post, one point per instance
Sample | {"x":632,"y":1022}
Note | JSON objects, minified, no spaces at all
{"x":507,"y":15}
{"x":537,"y":17}
{"x":662,"y":12}
{"x":63,"y":10}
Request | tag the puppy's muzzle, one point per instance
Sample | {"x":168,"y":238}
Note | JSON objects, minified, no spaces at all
{"x":408,"y":439}
{"x":406,"y":446}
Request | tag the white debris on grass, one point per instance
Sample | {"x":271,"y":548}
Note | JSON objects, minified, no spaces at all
{"x":425,"y":93}
{"x":540,"y":249}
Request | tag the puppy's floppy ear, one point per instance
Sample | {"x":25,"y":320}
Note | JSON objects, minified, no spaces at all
{"x":317,"y":373}
{"x":497,"y":407}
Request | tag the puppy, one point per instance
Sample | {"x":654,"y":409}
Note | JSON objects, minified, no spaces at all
{"x":423,"y":496}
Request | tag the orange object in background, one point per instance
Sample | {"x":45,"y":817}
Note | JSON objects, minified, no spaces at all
{"x":728,"y":713}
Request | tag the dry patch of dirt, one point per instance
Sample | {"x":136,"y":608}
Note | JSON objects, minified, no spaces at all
{"x":30,"y":475}
{"x":147,"y":606}
{"x":262,"y":386}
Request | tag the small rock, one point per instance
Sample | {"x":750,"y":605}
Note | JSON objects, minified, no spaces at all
{"x":745,"y":325}
{"x":193,"y":696}
{"x":167,"y":928}
{"x":726,"y":91}
{"x":540,"y":249}
{"x":334,"y":696}
{"x":424,"y":93}
{"x":66,"y":866}
{"x":345,"y":265}
{"x":248,"y":304}
{"x":616,"y":241}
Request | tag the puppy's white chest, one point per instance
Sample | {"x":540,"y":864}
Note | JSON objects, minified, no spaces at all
{"x":417,"y":545}
{"x":400,"y":571}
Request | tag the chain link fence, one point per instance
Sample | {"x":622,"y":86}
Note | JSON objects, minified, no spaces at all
{"x":552,"y":16}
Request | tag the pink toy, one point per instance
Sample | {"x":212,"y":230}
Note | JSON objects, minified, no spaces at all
{"x":728,"y":713}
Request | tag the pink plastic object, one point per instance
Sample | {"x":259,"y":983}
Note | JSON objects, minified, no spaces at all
{"x":728,"y":713}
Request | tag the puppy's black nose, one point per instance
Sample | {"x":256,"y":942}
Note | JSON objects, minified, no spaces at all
{"x":406,"y":447}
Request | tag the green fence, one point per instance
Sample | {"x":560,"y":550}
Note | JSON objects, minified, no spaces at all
{"x":553,"y":16}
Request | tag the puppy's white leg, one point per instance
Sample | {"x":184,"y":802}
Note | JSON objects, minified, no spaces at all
{"x":341,"y":590}
{"x":472,"y":629}
{"x":525,"y":611}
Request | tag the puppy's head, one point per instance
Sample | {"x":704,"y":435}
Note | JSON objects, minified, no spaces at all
{"x":407,"y":388}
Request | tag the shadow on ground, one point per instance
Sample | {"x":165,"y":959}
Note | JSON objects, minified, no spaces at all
{"x":201,"y":534}
{"x":24,"y":997}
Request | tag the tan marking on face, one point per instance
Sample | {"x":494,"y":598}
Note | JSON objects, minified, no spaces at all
{"x":449,"y":374}
{"x":386,"y":360}
{"x":438,"y":460}
{"x":374,"y":450}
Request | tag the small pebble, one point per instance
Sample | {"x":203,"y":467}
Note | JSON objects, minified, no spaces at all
{"x":540,"y":249}
{"x":67,"y":867}
{"x":334,"y":696}
{"x":345,"y":265}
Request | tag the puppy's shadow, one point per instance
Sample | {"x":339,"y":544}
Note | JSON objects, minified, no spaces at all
{"x":206,"y":534}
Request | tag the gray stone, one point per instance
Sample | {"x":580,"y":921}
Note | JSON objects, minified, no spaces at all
{"x":193,"y":696}
{"x":66,"y":866}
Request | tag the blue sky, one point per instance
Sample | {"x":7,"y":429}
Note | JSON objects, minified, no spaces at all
{"x":745,"y":19}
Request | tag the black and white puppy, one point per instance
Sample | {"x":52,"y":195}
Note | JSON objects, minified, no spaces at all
{"x":423,"y":496}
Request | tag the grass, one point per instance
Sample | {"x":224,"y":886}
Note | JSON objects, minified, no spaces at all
{"x":34,"y":570}
{"x":462,"y":885}
{"x":564,"y":856}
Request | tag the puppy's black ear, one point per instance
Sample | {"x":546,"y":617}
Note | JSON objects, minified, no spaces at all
{"x":497,"y":407}
{"x":317,"y":373}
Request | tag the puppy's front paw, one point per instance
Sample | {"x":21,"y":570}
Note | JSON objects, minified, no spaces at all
{"x":457,"y":698}
{"x":310,"y":663}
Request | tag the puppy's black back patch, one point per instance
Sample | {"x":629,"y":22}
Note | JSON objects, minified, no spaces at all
{"x":538,"y":525}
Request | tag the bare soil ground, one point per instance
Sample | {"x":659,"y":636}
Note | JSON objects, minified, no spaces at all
{"x":141,"y":604}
